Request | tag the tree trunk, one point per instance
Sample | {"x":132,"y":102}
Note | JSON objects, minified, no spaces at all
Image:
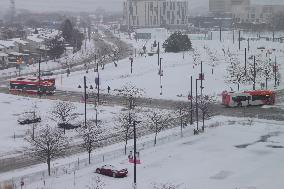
{"x":48,"y":166}
{"x":156,"y":132}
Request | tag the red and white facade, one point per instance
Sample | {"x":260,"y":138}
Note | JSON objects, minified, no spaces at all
{"x":32,"y":85}
{"x":248,"y":98}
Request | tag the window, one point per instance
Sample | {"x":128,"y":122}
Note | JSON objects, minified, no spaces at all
{"x":260,"y":97}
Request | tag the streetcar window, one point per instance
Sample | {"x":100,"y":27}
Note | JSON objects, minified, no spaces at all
{"x":260,"y":97}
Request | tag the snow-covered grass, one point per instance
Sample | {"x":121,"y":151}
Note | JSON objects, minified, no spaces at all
{"x":12,"y":107}
{"x":234,"y":154}
{"x":176,"y":70}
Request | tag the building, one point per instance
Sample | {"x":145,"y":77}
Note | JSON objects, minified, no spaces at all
{"x":246,"y":11}
{"x":220,"y":6}
{"x":258,"y":14}
{"x":155,"y":13}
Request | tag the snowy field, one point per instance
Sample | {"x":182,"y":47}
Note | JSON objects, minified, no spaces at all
{"x":176,"y":69}
{"x":12,"y":134}
{"x":236,"y":153}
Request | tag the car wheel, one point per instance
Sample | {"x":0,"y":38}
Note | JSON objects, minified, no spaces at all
{"x":113,"y":175}
{"x":98,"y":171}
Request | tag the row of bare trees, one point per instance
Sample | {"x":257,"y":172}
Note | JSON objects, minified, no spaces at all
{"x":156,"y":120}
{"x":259,"y":69}
{"x":48,"y":141}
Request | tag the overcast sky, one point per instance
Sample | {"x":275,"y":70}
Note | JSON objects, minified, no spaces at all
{"x":83,"y":5}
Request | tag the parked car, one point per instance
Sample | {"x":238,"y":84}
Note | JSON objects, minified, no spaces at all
{"x":29,"y":121}
{"x":112,"y":171}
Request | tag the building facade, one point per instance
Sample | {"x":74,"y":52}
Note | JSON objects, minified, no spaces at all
{"x":245,"y":11}
{"x":155,"y":13}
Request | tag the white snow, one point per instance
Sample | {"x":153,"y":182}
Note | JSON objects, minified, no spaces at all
{"x":208,"y":160}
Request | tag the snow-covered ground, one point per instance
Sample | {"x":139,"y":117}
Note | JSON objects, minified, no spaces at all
{"x":176,"y":69}
{"x":236,"y":153}
{"x":228,"y":156}
{"x":12,"y":107}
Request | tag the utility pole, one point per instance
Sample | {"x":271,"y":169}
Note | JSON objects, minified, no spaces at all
{"x":273,"y":36}
{"x":201,"y":74}
{"x":196,"y":104}
{"x":239,"y":39}
{"x":158,"y":51}
{"x":245,"y":61}
{"x":233,"y":36}
{"x":275,"y":72}
{"x":191,"y":112}
{"x":85,"y":100}
{"x":161,"y":87}
{"x":220,"y":34}
{"x":254,"y":73}
{"x":98,"y":95}
{"x":39,"y":87}
{"x":134,"y":133}
{"x":248,"y":44}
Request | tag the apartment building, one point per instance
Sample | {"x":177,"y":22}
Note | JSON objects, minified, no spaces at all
{"x":155,"y":13}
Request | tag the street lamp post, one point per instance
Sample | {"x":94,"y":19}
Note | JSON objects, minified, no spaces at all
{"x":85,"y":98}
{"x":39,"y":70}
{"x":196,"y":105}
{"x":161,"y":74}
{"x":191,"y":112}
{"x":134,"y":139}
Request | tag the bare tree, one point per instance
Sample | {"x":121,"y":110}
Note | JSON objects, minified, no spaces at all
{"x":158,"y":120}
{"x":182,"y":113}
{"x":124,"y":125}
{"x":48,"y":143}
{"x":130,"y":92}
{"x":235,"y":72}
{"x":196,"y":57}
{"x":63,"y":113}
{"x":204,"y":103}
{"x":91,"y":135}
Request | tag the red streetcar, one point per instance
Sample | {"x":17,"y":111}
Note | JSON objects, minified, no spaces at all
{"x":248,"y":98}
{"x":32,"y":85}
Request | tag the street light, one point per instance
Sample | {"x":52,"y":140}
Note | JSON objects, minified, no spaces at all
{"x":196,"y":103}
{"x":134,"y":138}
{"x":85,"y":98}
{"x":161,"y":74}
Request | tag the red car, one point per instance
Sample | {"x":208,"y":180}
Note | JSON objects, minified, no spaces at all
{"x":110,"y":170}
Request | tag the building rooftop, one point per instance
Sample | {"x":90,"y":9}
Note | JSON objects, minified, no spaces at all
{"x":7,"y":43}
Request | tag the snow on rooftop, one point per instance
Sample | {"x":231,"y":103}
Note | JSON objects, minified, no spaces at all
{"x":20,"y":41}
{"x":7,"y":43}
{"x":35,"y":38}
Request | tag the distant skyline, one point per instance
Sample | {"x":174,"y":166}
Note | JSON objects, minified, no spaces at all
{"x":195,"y":6}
